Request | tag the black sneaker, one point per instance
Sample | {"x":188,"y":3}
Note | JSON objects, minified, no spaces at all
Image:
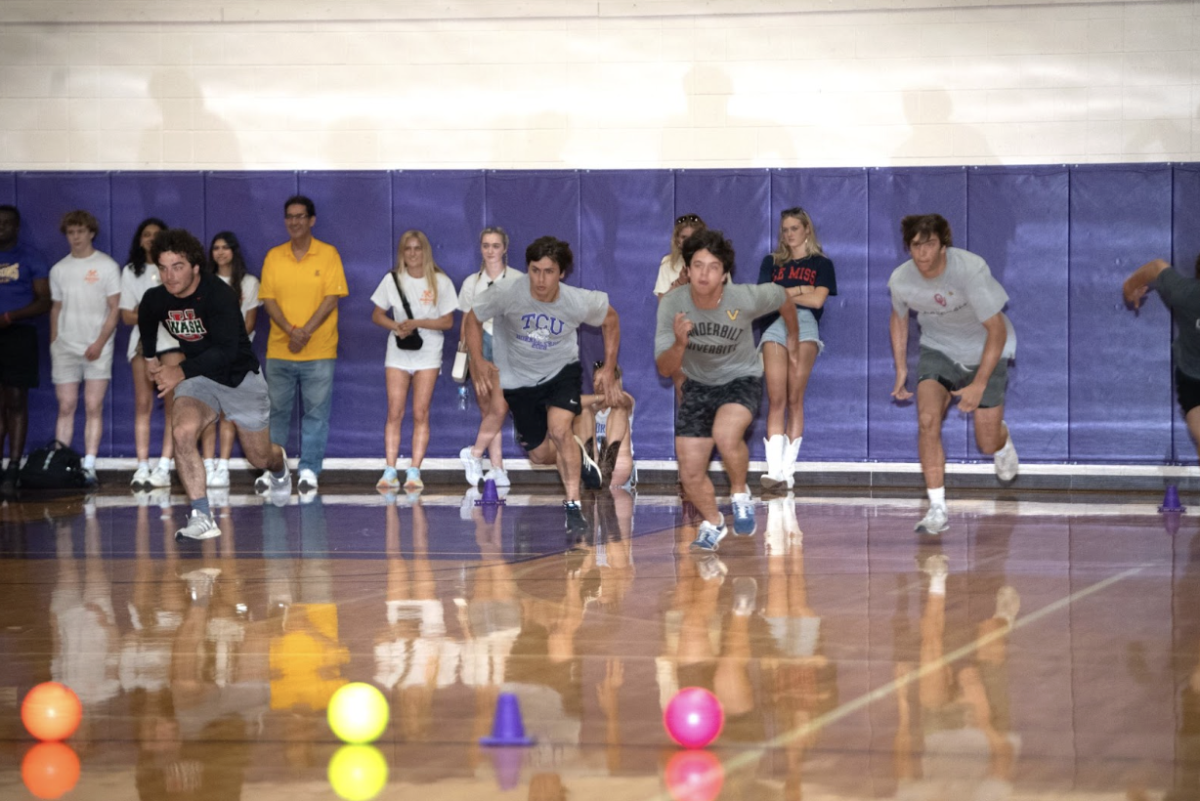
{"x":578,"y":527}
{"x":589,"y":471}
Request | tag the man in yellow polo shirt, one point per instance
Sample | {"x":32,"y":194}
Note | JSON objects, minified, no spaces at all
{"x":302,"y":280}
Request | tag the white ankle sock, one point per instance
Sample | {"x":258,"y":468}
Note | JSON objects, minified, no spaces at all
{"x":937,"y":497}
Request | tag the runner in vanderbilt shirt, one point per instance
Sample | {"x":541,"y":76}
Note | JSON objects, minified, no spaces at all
{"x":219,"y":374}
{"x":535,"y":318}
{"x":704,"y":327}
{"x":966,"y":343}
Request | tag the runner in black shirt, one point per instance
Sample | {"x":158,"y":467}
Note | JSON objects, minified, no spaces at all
{"x":219,"y":374}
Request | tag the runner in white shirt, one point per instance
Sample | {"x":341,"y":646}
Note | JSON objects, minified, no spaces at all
{"x":84,"y":290}
{"x":226,"y":260}
{"x":426,"y":307}
{"x":966,"y":343}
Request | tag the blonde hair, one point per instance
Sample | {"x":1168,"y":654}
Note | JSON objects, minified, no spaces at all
{"x":692,"y":221}
{"x":431,"y":269}
{"x":500,"y":232}
{"x":812,"y":245}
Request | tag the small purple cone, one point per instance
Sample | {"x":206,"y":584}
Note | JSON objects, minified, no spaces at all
{"x":1171,"y":500}
{"x":507,"y":726}
{"x":506,"y":764}
{"x":490,"y":496}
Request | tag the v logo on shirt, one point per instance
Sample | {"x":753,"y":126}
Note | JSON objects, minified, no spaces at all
{"x":733,"y":314}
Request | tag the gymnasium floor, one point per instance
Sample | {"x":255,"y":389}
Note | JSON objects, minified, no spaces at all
{"x":1041,"y":650}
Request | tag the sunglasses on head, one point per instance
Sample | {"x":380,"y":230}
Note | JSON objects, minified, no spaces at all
{"x":794,"y":211}
{"x":687,"y":219}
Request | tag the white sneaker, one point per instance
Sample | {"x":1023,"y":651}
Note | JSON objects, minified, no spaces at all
{"x":307,"y":482}
{"x":160,"y":476}
{"x":141,"y":477}
{"x":200,"y":582}
{"x":1006,"y":461}
{"x":934,"y":522}
{"x":499,"y":475}
{"x":219,"y":478}
{"x":745,"y":595}
{"x":199,"y":527}
{"x":262,"y":484}
{"x":472,"y":466}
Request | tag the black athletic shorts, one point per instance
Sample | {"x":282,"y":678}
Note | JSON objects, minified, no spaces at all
{"x":698,"y":409}
{"x":529,"y":404}
{"x":1187,"y":390}
{"x":19,"y":356}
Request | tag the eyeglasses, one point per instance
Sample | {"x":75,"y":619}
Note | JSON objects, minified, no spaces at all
{"x":794,"y":211}
{"x":688,"y":219}
{"x":295,"y":217}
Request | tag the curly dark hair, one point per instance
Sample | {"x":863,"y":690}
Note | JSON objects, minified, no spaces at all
{"x":922,"y":226}
{"x":714,"y":242}
{"x":177,"y":240}
{"x":556,"y":250}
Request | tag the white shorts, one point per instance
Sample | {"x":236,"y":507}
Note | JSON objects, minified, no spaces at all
{"x":68,"y":366}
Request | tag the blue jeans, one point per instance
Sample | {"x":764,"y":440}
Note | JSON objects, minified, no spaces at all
{"x":316,"y":391}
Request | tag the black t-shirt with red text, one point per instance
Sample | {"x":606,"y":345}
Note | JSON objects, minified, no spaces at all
{"x":815,"y":270}
{"x":209,"y":326}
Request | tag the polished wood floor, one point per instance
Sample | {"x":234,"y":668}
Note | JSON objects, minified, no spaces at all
{"x":1037,"y":651}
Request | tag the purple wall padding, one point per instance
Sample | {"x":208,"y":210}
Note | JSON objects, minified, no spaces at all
{"x":1091,"y":383}
{"x":1018,"y":222}
{"x":1119,"y":376}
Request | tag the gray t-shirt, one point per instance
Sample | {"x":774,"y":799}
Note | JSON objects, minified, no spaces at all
{"x":952,"y":307}
{"x":721,"y":345}
{"x":531,"y":340}
{"x":1182,"y":294}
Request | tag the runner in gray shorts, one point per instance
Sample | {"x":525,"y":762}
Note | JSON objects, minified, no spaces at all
{"x":219,"y":374}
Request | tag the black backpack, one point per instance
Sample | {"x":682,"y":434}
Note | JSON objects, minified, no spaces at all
{"x":55,"y":466}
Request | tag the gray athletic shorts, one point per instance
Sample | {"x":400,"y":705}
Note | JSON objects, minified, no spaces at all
{"x":247,"y":405}
{"x":933,"y":365}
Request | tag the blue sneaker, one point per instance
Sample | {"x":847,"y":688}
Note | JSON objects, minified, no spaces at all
{"x":709,"y":536}
{"x":743,"y":514}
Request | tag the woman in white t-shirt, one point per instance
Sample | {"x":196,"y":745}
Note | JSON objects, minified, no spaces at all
{"x":493,"y":246}
{"x":226,"y":261}
{"x":138,"y":276}
{"x":431,"y":305}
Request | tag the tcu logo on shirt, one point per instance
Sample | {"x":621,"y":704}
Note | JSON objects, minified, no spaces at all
{"x":185,"y":325}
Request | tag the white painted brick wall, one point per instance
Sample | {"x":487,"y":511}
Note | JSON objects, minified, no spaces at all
{"x":144,"y":84}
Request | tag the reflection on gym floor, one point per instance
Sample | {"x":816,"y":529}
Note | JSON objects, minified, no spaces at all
{"x":1037,"y":650}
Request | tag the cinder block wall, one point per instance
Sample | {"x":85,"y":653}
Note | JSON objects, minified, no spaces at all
{"x":123,"y":84}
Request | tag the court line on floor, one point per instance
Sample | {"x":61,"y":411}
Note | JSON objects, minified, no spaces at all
{"x":845,"y":710}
